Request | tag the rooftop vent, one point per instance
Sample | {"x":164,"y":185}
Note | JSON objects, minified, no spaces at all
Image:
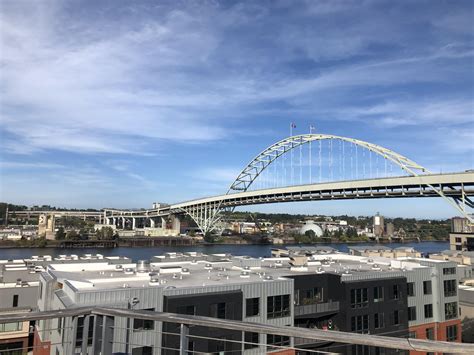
{"x":185,"y":271}
{"x":268,"y":278}
{"x":143,"y":266}
{"x":129,"y":271}
{"x":118,"y":267}
{"x":245,"y":274}
{"x":208,"y":267}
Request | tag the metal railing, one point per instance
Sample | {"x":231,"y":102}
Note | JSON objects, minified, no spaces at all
{"x":98,"y":336}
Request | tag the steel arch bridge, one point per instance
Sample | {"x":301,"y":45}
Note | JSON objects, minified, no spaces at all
{"x":455,"y":188}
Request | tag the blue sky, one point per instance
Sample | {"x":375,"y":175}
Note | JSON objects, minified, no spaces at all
{"x":125,"y":103}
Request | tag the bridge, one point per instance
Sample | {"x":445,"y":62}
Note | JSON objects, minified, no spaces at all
{"x":354,"y":161}
{"x":310,"y":167}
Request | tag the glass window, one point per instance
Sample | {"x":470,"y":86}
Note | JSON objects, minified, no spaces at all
{"x":279,"y":340}
{"x":278,"y":306}
{"x":378,"y":294}
{"x":252,"y":307}
{"x":449,"y":271}
{"x":411,"y":289}
{"x":378,"y":320}
{"x":396,"y":292}
{"x":396,"y":317}
{"x":11,"y":327}
{"x":428,"y":311}
{"x":15,"y":300}
{"x":450,"y":310}
{"x":251,"y":340}
{"x":360,"y":324}
{"x":452,"y":332}
{"x":430,"y":333}
{"x":450,"y":288}
{"x":359,"y":298}
{"x":412,"y":335}
{"x":427,"y":287}
{"x":312,"y":295}
{"x":144,"y":324}
{"x":411,"y":313}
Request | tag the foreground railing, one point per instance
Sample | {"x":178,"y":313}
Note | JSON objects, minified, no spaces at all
{"x":96,"y":337}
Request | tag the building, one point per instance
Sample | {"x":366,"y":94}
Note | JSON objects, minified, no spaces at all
{"x":402,"y":296}
{"x":378,"y":226}
{"x":461,"y":237}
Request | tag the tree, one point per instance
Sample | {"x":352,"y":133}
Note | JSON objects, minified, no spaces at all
{"x":209,"y":237}
{"x":72,"y":235}
{"x":60,"y":234}
{"x":105,"y":233}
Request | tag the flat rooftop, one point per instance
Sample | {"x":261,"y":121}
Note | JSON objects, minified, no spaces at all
{"x":219,"y":269}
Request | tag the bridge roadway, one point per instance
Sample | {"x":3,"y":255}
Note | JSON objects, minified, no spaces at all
{"x":452,"y":185}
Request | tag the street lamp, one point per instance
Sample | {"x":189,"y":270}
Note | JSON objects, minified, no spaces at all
{"x":131,"y":303}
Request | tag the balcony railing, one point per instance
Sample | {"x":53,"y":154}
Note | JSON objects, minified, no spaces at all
{"x":98,"y":326}
{"x":309,"y":309}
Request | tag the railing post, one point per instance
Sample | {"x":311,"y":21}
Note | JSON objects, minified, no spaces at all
{"x":107,"y":335}
{"x":74,"y":335}
{"x":85,"y":335}
{"x":183,"y":339}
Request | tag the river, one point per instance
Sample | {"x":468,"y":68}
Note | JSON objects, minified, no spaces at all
{"x":146,"y":253}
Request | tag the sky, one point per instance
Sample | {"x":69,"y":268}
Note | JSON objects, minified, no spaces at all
{"x":124,"y":103}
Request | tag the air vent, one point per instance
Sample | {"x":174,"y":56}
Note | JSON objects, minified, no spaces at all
{"x":245,"y":274}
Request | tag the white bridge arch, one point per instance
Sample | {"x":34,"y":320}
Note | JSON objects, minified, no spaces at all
{"x":208,"y":215}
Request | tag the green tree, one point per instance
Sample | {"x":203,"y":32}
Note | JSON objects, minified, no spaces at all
{"x":72,"y":235}
{"x":60,"y":234}
{"x":105,"y":233}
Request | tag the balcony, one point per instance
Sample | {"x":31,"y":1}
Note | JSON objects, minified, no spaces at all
{"x":316,"y":308}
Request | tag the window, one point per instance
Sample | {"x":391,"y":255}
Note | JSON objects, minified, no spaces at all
{"x":378,"y":294}
{"x":218,"y":310}
{"x":428,"y":311}
{"x":378,"y":320}
{"x":360,"y":324}
{"x":427,"y":287}
{"x":252,"y":307}
{"x":278,"y":306}
{"x":280,"y":340}
{"x":452,"y":333}
{"x":11,"y":327}
{"x":312,"y":295}
{"x":191,"y":310}
{"x":411,"y":289}
{"x":458,"y":240}
{"x":412,"y":335}
{"x":15,"y":300}
{"x":449,"y":271}
{"x":251,"y":340}
{"x":450,"y":310}
{"x":81,"y":324}
{"x":411,"y":313}
{"x":450,"y":288}
{"x":430,"y":333}
{"x":359,"y":298}
{"x":144,"y":324}
{"x":396,"y":317}
{"x":396,"y":292}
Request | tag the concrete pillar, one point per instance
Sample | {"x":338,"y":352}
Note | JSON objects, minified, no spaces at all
{"x":152,"y":223}
{"x":114,"y":221}
{"x":133,"y":223}
{"x":163,"y":223}
{"x":175,"y":223}
{"x":123,"y":222}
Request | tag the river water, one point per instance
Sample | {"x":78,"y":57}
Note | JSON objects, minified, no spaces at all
{"x":146,"y":253}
